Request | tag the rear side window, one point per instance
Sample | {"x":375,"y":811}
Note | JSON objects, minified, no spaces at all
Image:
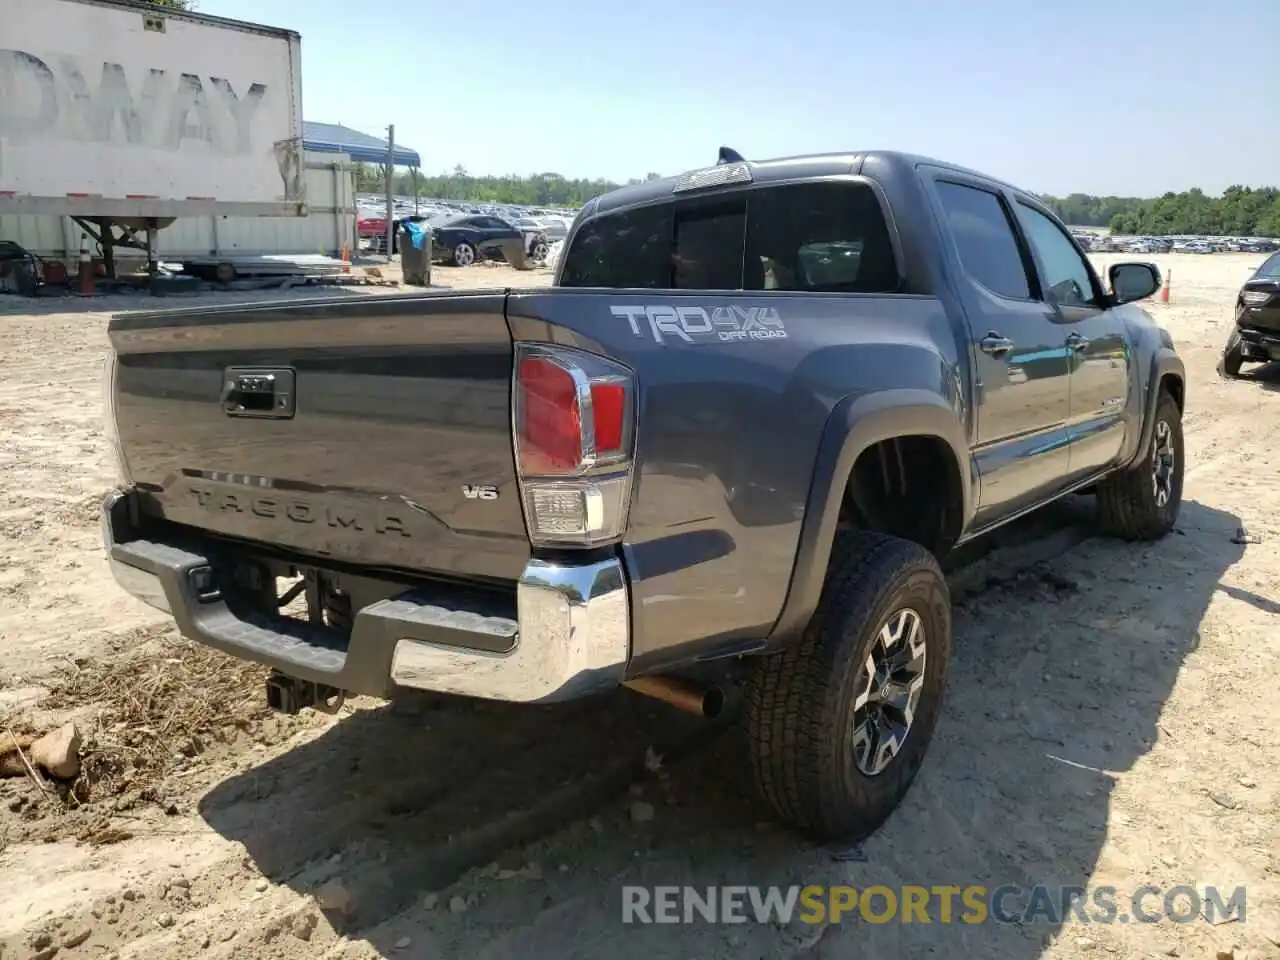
{"x":820,"y":237}
{"x":984,"y":236}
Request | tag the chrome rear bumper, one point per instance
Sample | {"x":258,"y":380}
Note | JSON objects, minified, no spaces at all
{"x":570,"y":636}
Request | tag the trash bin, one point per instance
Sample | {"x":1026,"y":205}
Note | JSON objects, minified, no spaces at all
{"x":415,"y":253}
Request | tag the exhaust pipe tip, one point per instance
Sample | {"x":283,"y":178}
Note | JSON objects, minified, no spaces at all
{"x":702,"y":701}
{"x":712,"y":703}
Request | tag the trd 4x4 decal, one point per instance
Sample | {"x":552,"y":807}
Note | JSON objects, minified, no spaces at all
{"x":694,"y":324}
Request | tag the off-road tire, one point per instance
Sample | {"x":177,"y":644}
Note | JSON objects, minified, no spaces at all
{"x":1127,"y":505}
{"x":1232,"y":357}
{"x":800,"y":702}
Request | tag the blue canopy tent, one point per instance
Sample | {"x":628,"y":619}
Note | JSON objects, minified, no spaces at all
{"x":363,"y":148}
{"x":332,"y":138}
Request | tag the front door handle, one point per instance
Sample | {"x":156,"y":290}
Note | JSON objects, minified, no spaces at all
{"x":995,"y":344}
{"x":1076,"y":343}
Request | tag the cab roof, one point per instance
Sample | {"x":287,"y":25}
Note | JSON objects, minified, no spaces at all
{"x":802,"y":167}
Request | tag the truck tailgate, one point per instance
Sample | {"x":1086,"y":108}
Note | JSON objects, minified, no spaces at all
{"x":374,"y":431}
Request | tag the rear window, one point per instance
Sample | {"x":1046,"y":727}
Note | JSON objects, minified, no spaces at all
{"x":628,"y":249}
{"x":707,"y":253}
{"x":819,"y":237}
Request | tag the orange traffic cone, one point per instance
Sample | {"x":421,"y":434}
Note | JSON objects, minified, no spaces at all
{"x":346,"y":258}
{"x":1164,"y":291}
{"x":87,"y":288}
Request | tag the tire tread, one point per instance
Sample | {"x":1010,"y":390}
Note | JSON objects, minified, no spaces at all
{"x":790,"y":708}
{"x":1126,"y":502}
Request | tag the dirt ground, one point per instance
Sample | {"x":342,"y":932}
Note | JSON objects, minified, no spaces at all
{"x":1112,"y":720}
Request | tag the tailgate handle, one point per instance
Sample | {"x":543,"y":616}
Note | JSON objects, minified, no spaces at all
{"x":264,"y":392}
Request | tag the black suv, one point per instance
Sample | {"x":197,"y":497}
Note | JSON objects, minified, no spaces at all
{"x":1256,"y":335}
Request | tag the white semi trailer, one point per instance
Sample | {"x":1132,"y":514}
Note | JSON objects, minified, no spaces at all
{"x":126,"y":116}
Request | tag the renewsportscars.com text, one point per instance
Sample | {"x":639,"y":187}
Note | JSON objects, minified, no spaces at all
{"x":973,"y":904}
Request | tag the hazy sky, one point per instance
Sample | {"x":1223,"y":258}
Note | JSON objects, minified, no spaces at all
{"x":1130,"y":97}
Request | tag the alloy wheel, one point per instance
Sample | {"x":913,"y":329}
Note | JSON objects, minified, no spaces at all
{"x":889,"y":689}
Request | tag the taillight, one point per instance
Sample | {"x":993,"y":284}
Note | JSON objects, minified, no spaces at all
{"x":573,"y":416}
{"x":550,"y":425}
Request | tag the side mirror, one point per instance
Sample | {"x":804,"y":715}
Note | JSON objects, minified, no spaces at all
{"x":1133,"y":281}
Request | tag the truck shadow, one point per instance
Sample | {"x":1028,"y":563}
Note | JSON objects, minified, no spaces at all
{"x":521,"y":820}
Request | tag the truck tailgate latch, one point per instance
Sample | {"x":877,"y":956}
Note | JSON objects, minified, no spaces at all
{"x":263,"y":392}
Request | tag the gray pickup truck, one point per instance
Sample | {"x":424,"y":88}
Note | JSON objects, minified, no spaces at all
{"x":758,"y":405}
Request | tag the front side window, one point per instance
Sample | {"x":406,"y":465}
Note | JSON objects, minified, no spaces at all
{"x":1067,"y":279}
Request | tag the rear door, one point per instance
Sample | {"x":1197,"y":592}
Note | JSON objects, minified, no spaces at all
{"x":1017,"y":349}
{"x":1097,"y":345}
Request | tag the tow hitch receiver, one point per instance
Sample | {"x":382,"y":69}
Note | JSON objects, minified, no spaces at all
{"x":290,"y":695}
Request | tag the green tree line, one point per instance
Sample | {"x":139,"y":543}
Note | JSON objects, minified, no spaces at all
{"x":1240,"y":212}
{"x":535,"y":190}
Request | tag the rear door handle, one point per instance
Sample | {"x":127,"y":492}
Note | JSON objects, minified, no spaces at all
{"x":995,"y":344}
{"x":1076,"y":343}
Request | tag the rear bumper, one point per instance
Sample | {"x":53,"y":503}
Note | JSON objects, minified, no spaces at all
{"x":1258,"y":343}
{"x":571,"y":631}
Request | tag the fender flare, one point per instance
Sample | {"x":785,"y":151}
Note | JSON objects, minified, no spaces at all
{"x":856,"y":423}
{"x":1164,"y":362}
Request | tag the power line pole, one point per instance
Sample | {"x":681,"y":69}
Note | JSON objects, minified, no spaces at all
{"x":391,"y":176}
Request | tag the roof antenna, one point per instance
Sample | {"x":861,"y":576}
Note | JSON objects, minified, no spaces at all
{"x":729,"y":155}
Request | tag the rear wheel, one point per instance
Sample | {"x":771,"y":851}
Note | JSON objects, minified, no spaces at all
{"x":838,"y":723}
{"x":464,"y":255}
{"x":1142,"y":503}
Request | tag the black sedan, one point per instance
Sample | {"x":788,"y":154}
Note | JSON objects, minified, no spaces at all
{"x":1256,"y":335}
{"x":461,"y":241}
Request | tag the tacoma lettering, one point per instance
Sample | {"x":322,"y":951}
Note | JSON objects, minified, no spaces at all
{"x":297,"y":511}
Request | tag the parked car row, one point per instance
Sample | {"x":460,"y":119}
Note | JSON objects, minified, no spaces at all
{"x":371,"y":214}
{"x":462,"y":234}
{"x":1105,"y":243}
{"x":462,"y":240}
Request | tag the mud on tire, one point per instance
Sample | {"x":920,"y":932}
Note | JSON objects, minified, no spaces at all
{"x":808,"y":707}
{"x":1142,"y":502}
